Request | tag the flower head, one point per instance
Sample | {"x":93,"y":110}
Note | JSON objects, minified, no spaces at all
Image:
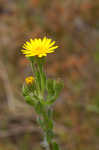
{"x":38,"y":47}
{"x":29,"y":80}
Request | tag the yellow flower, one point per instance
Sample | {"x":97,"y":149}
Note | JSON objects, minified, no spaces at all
{"x":29,"y":80}
{"x":38,"y":47}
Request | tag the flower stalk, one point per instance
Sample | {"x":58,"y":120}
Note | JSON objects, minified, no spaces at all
{"x":40,"y":91}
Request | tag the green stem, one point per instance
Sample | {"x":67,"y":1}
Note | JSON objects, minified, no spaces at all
{"x":45,"y":116}
{"x":32,"y":66}
{"x":46,"y":142}
{"x":34,"y":71}
{"x":42,"y":76}
{"x":48,"y":130}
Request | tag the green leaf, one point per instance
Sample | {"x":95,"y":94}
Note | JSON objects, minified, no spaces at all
{"x":51,"y":100}
{"x":50,"y":87}
{"x":49,"y":135}
{"x":40,"y":122}
{"x":50,"y":113}
{"x":29,"y":100}
{"x":55,"y":146}
{"x":54,"y":89}
{"x":39,"y":108}
{"x":50,"y":124}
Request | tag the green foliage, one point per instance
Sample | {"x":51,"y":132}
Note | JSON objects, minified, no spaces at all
{"x":50,"y":113}
{"x":41,"y":94}
{"x":25,"y":90}
{"x":38,"y":81}
{"x":40,"y":122}
{"x":50,"y":87}
{"x":49,"y":135}
{"x":55,"y":146}
{"x":39,"y":107}
{"x":43,"y":81}
{"x":29,"y":100}
{"x":54,"y":88}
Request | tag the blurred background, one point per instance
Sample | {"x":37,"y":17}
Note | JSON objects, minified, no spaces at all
{"x":74,"y":25}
